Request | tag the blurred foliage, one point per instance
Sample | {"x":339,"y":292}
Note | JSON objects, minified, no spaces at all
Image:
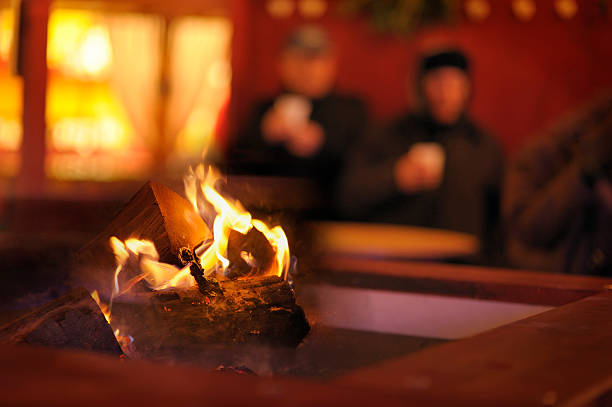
{"x":401,"y":16}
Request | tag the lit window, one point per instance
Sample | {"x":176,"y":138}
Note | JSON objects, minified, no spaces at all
{"x":88,"y":130}
{"x":104,"y":107}
{"x":10,"y":102}
{"x":211,"y":37}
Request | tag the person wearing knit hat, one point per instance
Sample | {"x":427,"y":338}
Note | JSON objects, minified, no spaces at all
{"x":306,"y":128}
{"x":444,"y":85}
{"x":433,"y":166}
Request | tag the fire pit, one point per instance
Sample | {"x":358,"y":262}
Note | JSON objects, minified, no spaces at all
{"x":412,"y":331}
{"x":193,"y":272}
{"x":507,"y":365}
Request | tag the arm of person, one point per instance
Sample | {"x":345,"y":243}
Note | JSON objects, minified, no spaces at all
{"x":331,"y":134}
{"x":371,"y":175}
{"x":553,"y":181}
{"x":365,"y":183}
{"x":541,"y":195}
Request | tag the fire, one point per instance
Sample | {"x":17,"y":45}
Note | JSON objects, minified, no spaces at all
{"x":158,"y":275}
{"x":103,"y":307}
{"x":201,"y":191}
{"x":140,"y":258}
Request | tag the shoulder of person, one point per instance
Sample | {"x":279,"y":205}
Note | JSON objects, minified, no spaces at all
{"x":407,"y":121}
{"x":347,"y":100}
{"x":482,"y":135}
{"x":558,"y":137}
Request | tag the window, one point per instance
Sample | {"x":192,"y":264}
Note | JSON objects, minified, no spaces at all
{"x":124,"y":90}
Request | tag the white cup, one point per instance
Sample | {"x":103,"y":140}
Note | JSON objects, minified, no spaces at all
{"x":430,"y":155}
{"x":294,"y":109}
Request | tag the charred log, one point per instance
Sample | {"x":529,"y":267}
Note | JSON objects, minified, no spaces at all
{"x":260,"y":310}
{"x":208,"y":286}
{"x":72,"y":321}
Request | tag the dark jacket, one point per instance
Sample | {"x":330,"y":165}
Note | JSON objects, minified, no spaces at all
{"x":555,"y":220}
{"x":467,"y":199}
{"x":343,"y":119}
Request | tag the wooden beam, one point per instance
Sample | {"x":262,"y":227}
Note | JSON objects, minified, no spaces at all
{"x":163,"y":145}
{"x":527,"y":287}
{"x":241,"y":15}
{"x":40,"y":377}
{"x":561,"y":357}
{"x":32,"y":61}
{"x":160,"y":7}
{"x":73,"y":321}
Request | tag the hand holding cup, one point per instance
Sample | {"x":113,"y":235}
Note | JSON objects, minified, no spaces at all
{"x":421,"y":168}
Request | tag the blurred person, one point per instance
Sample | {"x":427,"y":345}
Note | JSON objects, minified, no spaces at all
{"x":305,"y":129}
{"x":433,"y":167}
{"x":558,"y":196}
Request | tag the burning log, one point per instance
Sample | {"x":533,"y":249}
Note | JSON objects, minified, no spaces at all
{"x":249,"y":254}
{"x":257,"y":310}
{"x":72,"y":321}
{"x":238,"y":293}
{"x":155,"y":213}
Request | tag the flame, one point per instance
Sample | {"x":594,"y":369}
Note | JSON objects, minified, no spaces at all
{"x":229,"y":216}
{"x":277,"y":238}
{"x":142,"y":257}
{"x":158,"y":275}
{"x":103,"y":307}
{"x":125,"y":341}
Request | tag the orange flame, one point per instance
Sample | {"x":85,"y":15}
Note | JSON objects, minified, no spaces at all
{"x":158,"y":275}
{"x":103,"y":307}
{"x":229,"y":216}
{"x":202,"y":194}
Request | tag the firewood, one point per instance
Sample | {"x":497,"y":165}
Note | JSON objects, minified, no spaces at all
{"x":249,"y":254}
{"x":256,"y":310}
{"x":155,"y":213}
{"x":72,"y":321}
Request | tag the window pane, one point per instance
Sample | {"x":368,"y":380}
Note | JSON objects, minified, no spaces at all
{"x":10,"y":102}
{"x":89,"y":132}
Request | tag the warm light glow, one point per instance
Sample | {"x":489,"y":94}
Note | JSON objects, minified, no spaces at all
{"x":95,"y":52}
{"x":79,"y":45}
{"x":200,"y":188}
{"x":6,"y":33}
{"x":10,"y":100}
{"x":277,"y":238}
{"x":211,"y":38}
{"x":230,"y":216}
{"x":10,"y":134}
{"x":141,"y":259}
{"x":88,"y":135}
{"x":158,"y":275}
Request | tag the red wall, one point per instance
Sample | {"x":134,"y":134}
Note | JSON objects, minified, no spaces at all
{"x":526,"y":74}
